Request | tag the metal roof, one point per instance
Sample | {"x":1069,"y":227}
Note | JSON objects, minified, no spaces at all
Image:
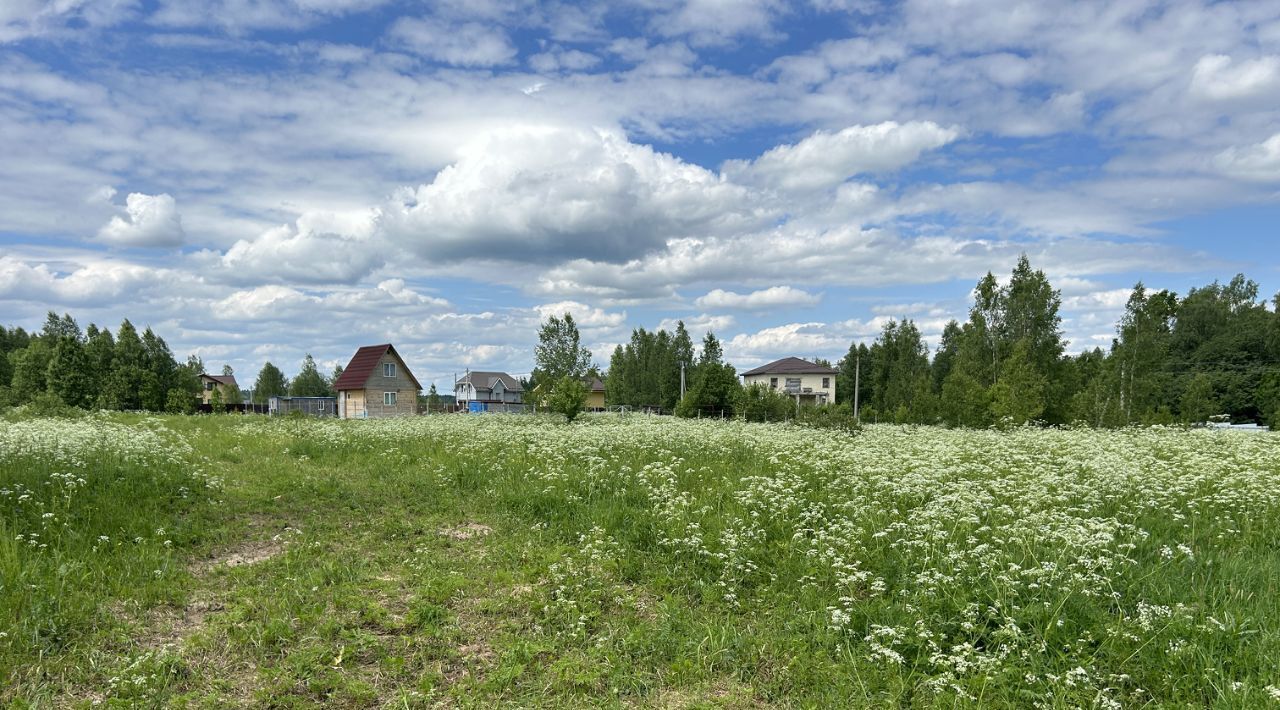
{"x":357,"y":372}
{"x":791,"y":366}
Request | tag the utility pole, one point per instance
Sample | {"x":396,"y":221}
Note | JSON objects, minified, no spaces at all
{"x":682,"y":380}
{"x":857,"y":383}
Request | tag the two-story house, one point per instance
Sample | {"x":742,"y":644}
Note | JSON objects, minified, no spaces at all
{"x":808,"y":382}
{"x":376,"y":383}
{"x":486,"y":388}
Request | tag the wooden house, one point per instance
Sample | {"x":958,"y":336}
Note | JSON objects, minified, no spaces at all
{"x":377,"y":383}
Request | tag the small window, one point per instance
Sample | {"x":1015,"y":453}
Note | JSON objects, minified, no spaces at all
{"x":826,"y":383}
{"x":773,"y":383}
{"x":208,"y":386}
{"x":389,"y":399}
{"x":793,"y":383}
{"x":388,"y":369}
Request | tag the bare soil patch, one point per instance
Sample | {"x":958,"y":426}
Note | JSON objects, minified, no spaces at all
{"x":249,"y":553}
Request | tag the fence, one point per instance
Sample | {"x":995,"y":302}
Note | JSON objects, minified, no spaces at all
{"x":247,"y":408}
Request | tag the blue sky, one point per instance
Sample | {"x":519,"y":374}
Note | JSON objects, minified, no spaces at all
{"x":260,"y":179}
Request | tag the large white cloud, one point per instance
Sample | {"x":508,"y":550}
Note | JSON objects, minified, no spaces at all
{"x":545,"y":193}
{"x":317,"y":248}
{"x":148,"y":221}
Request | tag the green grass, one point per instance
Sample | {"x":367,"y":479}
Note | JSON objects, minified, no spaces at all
{"x":481,"y":561}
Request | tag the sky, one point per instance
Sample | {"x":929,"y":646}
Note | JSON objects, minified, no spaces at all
{"x":261,"y":179}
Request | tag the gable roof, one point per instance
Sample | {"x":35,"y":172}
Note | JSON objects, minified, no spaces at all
{"x":486,"y":380}
{"x":791,"y":366}
{"x":363,"y":363}
{"x":228,"y":380}
{"x":595,"y":384}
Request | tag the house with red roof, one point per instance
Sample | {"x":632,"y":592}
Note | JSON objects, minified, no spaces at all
{"x":377,"y":383}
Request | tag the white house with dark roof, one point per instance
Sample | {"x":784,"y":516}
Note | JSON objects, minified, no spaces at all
{"x":487,"y":387}
{"x":807,"y":382}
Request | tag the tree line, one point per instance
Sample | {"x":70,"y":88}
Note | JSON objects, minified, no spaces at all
{"x":1213,"y":352}
{"x":62,"y":365}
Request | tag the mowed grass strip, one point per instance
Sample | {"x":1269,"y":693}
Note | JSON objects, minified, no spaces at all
{"x":648,"y":562}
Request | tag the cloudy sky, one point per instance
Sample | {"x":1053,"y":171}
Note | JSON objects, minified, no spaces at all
{"x":258,"y":179}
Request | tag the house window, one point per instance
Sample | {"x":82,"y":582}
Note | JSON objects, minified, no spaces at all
{"x":389,"y":399}
{"x":773,"y":383}
{"x":793,"y":383}
{"x":208,"y":386}
{"x":388,"y":369}
{"x":826,"y":383}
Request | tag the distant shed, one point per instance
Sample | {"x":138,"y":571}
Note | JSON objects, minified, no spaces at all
{"x":314,"y":406}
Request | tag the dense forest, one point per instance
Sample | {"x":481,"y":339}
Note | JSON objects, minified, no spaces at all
{"x":1214,"y":352}
{"x":63,"y":366}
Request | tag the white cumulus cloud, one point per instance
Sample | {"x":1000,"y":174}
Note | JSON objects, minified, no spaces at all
{"x":549,"y":193}
{"x":148,"y":221}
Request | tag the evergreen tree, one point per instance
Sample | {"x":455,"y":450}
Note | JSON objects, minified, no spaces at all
{"x":433,"y":398}
{"x":309,"y":382}
{"x":271,"y":382}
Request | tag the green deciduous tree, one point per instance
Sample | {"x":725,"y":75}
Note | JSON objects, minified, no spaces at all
{"x":271,"y":382}
{"x":1019,"y":395}
{"x":1198,"y":402}
{"x":568,"y":397}
{"x":560,"y":352}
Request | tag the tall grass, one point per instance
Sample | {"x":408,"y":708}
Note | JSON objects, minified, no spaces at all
{"x":92,"y":512}
{"x":675,"y":562}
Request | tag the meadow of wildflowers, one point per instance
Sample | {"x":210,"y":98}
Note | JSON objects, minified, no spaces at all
{"x":637,"y":561}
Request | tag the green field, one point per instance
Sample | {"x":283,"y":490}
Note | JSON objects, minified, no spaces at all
{"x":482,"y":561}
